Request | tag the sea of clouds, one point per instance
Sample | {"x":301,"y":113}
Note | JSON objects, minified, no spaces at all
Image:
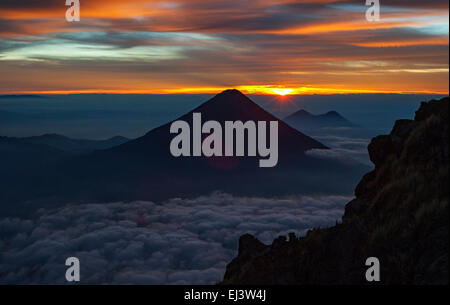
{"x":182,"y":241}
{"x":345,"y":149}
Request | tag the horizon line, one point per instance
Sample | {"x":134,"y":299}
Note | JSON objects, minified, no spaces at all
{"x":250,"y":90}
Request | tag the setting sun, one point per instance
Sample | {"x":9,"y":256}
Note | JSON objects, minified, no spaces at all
{"x":282,"y":91}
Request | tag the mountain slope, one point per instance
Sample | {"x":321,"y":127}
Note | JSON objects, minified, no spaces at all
{"x":24,"y":156}
{"x":18,"y":156}
{"x":400,"y":215}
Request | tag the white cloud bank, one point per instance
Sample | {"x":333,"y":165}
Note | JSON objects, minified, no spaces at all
{"x":344,"y":149}
{"x":183,"y":241}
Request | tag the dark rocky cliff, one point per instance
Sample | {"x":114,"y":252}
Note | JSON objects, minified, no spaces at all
{"x":400,"y":215}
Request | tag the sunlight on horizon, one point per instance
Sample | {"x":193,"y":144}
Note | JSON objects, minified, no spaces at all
{"x":283,"y":91}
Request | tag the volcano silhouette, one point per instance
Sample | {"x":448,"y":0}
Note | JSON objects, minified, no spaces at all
{"x":145,"y":169}
{"x":230,"y":105}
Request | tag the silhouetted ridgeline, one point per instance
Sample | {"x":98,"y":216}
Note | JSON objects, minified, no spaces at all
{"x":303,"y":120}
{"x":400,"y":215}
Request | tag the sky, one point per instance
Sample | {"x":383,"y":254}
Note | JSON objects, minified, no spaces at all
{"x":192,"y":46}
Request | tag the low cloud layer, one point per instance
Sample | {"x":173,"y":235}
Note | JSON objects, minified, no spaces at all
{"x":343,"y":148}
{"x":179,"y":242}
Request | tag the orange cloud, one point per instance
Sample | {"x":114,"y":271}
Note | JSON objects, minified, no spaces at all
{"x":405,"y":43}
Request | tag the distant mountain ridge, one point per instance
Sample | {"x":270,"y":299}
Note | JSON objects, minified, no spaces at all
{"x":75,"y":145}
{"x":302,"y":119}
{"x":23,"y":156}
{"x":19,"y":157}
{"x":5,"y":96}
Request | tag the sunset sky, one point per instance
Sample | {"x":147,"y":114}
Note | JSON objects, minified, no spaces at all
{"x":193,"y":46}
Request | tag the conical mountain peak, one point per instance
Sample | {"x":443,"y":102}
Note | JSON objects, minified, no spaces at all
{"x":333,"y":113}
{"x":302,"y":112}
{"x":232,"y":105}
{"x":230,"y":97}
{"x":231,"y":93}
{"x":299,"y":114}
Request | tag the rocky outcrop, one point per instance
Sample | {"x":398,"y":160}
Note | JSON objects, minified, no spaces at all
{"x":400,"y":215}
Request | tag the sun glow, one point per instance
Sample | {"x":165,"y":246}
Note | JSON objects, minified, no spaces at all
{"x":283,"y":91}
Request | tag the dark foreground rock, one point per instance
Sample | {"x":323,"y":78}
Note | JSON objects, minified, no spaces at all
{"x":400,"y":215}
